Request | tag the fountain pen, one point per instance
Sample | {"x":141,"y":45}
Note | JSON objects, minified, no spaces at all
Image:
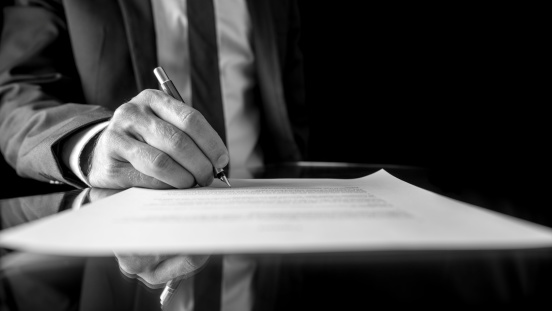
{"x":169,"y":88}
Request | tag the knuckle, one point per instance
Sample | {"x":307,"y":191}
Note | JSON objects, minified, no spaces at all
{"x":173,"y":135}
{"x":155,"y":100}
{"x":190,"y":117}
{"x":146,"y":95}
{"x":122,"y":110}
{"x":126,"y":112}
{"x":178,"y":139}
{"x":131,"y":116}
{"x":161,"y":162}
{"x":154,"y":97}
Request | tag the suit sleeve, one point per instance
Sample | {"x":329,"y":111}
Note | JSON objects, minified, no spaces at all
{"x":41,"y":98}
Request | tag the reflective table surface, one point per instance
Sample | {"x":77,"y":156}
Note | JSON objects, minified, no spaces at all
{"x":319,"y":281}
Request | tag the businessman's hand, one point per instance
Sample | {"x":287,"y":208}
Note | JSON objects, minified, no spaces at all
{"x":156,"y":270}
{"x":156,"y":141}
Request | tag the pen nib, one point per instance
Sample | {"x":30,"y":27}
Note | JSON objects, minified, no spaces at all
{"x":219,"y":173}
{"x":223,"y":178}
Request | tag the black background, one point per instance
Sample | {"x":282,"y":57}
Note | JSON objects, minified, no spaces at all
{"x":418,"y":84}
{"x":457,"y":88}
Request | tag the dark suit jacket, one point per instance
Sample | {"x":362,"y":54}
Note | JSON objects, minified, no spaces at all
{"x":68,"y":64}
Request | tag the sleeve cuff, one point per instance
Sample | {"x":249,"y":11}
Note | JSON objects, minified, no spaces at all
{"x":81,"y":199}
{"x":76,"y":145}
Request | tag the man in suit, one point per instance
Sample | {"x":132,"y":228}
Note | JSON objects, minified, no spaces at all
{"x":67,"y":67}
{"x":78,"y":103}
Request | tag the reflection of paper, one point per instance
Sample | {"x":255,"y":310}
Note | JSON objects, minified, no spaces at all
{"x":377,"y":212}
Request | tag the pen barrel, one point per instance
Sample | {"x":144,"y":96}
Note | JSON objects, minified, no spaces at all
{"x":167,"y":293}
{"x":169,"y":88}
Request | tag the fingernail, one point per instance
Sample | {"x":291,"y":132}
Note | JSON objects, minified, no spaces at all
{"x":222,"y":161}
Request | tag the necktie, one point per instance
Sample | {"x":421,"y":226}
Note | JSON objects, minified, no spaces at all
{"x":207,"y":99}
{"x":208,"y":285}
{"x":204,"y":63}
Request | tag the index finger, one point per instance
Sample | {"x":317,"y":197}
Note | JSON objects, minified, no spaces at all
{"x":193,"y":123}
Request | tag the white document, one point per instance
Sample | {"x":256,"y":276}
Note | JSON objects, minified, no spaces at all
{"x":376,"y":212}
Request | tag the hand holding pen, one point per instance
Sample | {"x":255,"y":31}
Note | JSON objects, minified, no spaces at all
{"x":169,"y":88}
{"x":154,"y":141}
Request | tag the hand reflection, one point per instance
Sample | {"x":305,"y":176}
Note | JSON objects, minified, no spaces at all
{"x":156,"y":270}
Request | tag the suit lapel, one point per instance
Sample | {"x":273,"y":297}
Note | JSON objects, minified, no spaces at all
{"x":139,"y":26}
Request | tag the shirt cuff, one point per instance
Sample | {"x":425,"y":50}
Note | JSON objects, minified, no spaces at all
{"x":76,"y":145}
{"x":81,"y":199}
